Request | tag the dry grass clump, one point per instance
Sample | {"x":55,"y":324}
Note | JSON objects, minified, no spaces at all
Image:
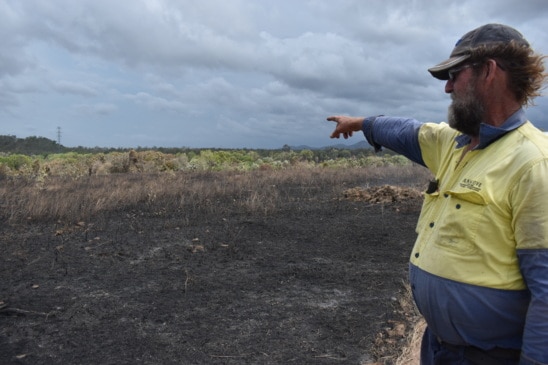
{"x":399,"y":342}
{"x":410,"y":355}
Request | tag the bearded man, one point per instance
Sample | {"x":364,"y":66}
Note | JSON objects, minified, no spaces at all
{"x":479,"y":267}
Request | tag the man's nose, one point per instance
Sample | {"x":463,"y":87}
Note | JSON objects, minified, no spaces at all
{"x":449,"y":87}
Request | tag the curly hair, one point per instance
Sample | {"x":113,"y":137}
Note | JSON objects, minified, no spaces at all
{"x":524,"y":66}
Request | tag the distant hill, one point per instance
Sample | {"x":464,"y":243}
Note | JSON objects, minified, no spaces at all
{"x":341,"y":146}
{"x":29,"y":145}
{"x":356,"y":146}
{"x":41,"y":145}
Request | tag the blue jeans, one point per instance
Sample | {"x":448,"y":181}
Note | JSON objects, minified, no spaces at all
{"x":434,"y":353}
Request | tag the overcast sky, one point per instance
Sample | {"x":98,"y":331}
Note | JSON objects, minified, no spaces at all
{"x":232,"y":73}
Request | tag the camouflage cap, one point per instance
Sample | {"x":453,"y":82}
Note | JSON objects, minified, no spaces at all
{"x":485,"y":35}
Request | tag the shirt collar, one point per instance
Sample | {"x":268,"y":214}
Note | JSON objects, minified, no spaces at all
{"x":489,"y":133}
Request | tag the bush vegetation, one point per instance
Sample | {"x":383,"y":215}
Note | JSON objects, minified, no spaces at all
{"x":76,"y":164}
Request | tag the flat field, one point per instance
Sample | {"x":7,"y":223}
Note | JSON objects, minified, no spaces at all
{"x":295,"y":266}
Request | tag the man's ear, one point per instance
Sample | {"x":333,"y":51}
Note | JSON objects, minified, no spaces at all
{"x":490,"y":69}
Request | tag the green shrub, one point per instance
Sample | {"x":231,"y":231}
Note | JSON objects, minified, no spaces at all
{"x":16,"y":162}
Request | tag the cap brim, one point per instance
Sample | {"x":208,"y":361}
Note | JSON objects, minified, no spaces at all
{"x":440,"y":71}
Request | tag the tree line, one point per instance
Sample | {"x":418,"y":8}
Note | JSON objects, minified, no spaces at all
{"x":33,"y":146}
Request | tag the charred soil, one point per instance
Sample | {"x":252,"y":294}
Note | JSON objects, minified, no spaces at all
{"x":318,"y":280}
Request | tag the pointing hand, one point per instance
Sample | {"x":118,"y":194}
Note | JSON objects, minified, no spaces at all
{"x":345,"y":125}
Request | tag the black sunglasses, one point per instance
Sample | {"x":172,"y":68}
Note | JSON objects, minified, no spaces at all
{"x":454,"y":72}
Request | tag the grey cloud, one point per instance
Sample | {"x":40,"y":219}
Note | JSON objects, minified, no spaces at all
{"x":69,"y":87}
{"x":11,"y":89}
{"x":268,"y":68}
{"x":13,"y":62}
{"x":155,"y":102}
{"x":101,"y":109}
{"x":514,"y":11}
{"x":7,"y":100}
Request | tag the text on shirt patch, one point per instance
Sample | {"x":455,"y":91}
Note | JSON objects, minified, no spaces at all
{"x":470,"y":184}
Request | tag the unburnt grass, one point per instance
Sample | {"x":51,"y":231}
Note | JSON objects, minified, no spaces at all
{"x":301,"y":265}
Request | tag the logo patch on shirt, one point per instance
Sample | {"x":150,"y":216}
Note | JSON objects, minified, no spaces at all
{"x":470,"y":184}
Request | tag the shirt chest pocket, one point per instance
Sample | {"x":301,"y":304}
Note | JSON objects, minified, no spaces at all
{"x":459,"y":218}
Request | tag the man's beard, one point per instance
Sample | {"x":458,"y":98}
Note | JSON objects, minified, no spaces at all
{"x":466,"y":112}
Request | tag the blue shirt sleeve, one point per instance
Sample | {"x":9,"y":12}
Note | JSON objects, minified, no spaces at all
{"x":534,"y":266}
{"x":401,"y":135}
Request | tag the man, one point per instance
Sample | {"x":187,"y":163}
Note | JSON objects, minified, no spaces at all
{"x":479,"y":267}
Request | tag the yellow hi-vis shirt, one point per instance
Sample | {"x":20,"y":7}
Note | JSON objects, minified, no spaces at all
{"x":487,"y":206}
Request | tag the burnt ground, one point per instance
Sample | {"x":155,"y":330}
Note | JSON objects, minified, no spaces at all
{"x":319,"y":281}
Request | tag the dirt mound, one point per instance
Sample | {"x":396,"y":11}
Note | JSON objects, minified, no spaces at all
{"x":383,"y":194}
